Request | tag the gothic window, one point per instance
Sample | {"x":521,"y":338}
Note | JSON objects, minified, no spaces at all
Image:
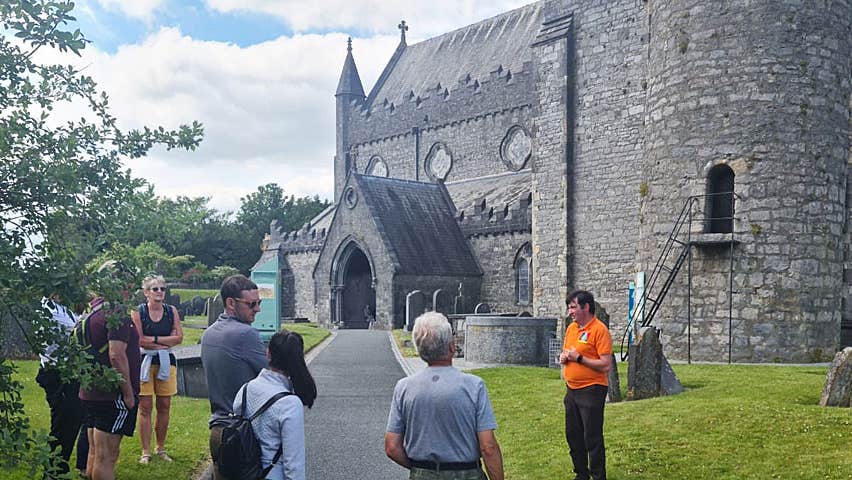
{"x":719,"y":203}
{"x":523,"y":275}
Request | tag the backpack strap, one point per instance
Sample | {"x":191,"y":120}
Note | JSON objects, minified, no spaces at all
{"x":275,"y":398}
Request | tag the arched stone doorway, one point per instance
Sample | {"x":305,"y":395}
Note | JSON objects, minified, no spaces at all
{"x":354,"y":291}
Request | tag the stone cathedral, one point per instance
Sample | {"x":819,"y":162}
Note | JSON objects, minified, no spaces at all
{"x":575,"y":143}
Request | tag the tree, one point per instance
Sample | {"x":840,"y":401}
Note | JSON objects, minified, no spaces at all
{"x":259,"y":208}
{"x":63,"y":189}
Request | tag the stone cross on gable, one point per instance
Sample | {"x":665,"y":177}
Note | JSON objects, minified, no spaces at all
{"x":349,"y":44}
{"x":402,"y":29}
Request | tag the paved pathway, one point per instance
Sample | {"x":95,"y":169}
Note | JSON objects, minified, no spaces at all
{"x":344,"y":431}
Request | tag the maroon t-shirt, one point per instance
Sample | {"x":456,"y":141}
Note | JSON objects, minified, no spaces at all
{"x":127,"y":333}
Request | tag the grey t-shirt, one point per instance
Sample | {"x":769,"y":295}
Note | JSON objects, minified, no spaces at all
{"x":439,"y":411}
{"x":232,"y":354}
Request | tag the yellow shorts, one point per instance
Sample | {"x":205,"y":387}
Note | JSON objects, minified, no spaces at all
{"x":161,"y":388}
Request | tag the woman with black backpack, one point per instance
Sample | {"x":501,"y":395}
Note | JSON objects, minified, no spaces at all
{"x":282,"y":425}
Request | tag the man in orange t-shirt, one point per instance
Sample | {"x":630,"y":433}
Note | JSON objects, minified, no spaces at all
{"x":586,"y":358}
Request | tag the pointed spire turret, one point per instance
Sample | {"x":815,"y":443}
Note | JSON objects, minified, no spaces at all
{"x":350,"y":81}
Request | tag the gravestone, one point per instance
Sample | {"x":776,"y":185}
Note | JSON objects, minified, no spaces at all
{"x":837,"y":391}
{"x":459,"y":306}
{"x":441,"y":302}
{"x":173,"y":300}
{"x":648,"y":372}
{"x":482,"y":308}
{"x":415,"y":305}
{"x":614,"y":390}
{"x":184,"y":309}
{"x":198,"y":305}
{"x":214,"y":309}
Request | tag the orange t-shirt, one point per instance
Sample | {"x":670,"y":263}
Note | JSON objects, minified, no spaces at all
{"x":591,"y":341}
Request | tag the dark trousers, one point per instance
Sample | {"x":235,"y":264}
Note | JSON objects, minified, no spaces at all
{"x":66,"y":415}
{"x":584,"y":416}
{"x":215,"y":442}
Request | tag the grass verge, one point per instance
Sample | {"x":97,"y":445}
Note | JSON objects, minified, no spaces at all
{"x":187,"y":294}
{"x":403,"y":342}
{"x":734,"y":422}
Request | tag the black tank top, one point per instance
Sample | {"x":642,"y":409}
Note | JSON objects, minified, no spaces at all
{"x":163,"y":328}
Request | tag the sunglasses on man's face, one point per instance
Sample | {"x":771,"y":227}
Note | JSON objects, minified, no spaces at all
{"x":157,"y":289}
{"x":251,"y":304}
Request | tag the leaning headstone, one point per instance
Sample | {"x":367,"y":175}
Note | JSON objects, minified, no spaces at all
{"x":415,"y":305}
{"x":645,"y":364}
{"x":214,"y":309}
{"x":482,"y":308}
{"x":441,"y":302}
{"x":837,"y":391}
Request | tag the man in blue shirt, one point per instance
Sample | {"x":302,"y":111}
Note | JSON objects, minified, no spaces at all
{"x":441,"y":421}
{"x":232,"y":353}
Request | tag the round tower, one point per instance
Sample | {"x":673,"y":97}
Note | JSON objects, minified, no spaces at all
{"x":751,"y":97}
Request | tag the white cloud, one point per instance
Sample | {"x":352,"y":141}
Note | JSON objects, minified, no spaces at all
{"x":267,"y":109}
{"x":141,"y":9}
{"x":426,"y":19}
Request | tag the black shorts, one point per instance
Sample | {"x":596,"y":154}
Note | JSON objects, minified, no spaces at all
{"x":111,"y":417}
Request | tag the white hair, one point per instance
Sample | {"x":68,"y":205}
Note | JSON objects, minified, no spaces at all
{"x":151,"y":280}
{"x":432,"y":336}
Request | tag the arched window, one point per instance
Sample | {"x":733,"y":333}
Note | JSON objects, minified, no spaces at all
{"x":523,"y":275}
{"x":719,"y":205}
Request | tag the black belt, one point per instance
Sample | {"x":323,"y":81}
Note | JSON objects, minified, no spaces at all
{"x":440,"y":466}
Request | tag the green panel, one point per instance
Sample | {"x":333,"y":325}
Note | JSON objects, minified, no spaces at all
{"x":268,"y":319}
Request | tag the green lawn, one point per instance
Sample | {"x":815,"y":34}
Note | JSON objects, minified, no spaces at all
{"x":735,"y":422}
{"x":311,"y":333}
{"x":187,"y":294}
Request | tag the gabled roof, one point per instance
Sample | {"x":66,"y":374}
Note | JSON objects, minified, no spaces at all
{"x":416,"y":221}
{"x":475,"y":51}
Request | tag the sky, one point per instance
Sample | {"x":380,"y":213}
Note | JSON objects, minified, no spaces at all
{"x":260,"y":75}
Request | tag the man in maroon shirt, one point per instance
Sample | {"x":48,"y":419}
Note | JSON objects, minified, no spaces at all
{"x":111,"y":414}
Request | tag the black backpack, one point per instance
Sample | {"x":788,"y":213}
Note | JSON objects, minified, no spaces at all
{"x":239,"y":451}
{"x":81,"y":334}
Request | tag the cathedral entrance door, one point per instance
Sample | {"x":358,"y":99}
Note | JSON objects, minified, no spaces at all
{"x":358,"y":302}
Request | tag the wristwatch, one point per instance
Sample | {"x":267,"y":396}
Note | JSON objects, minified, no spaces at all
{"x":580,"y":359}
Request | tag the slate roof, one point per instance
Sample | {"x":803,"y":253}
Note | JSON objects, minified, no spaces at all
{"x":416,"y":222}
{"x":350,"y":81}
{"x":498,"y":191}
{"x":475,"y":50}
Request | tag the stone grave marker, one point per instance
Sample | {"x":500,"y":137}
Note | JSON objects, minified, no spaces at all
{"x":837,"y":391}
{"x":441,"y":302}
{"x":649,"y":374}
{"x":614,"y":392}
{"x":415,"y":305}
{"x":482,"y":308}
{"x":215,"y":307}
{"x":198,"y":305}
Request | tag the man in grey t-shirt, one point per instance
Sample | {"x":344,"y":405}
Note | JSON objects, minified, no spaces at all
{"x":231,"y":353}
{"x":441,"y":421}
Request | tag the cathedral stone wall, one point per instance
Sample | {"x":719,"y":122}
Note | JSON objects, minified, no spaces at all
{"x":762,"y":88}
{"x":496,"y":254}
{"x":610,"y":66}
{"x":301,"y":299}
{"x":474,"y":144}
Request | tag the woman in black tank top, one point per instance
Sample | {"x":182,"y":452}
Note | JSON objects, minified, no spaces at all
{"x":160,"y":330}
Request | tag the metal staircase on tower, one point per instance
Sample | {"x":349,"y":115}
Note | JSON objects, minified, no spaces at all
{"x":676,"y":252}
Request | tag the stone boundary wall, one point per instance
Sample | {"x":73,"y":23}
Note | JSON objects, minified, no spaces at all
{"x":508,"y":340}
